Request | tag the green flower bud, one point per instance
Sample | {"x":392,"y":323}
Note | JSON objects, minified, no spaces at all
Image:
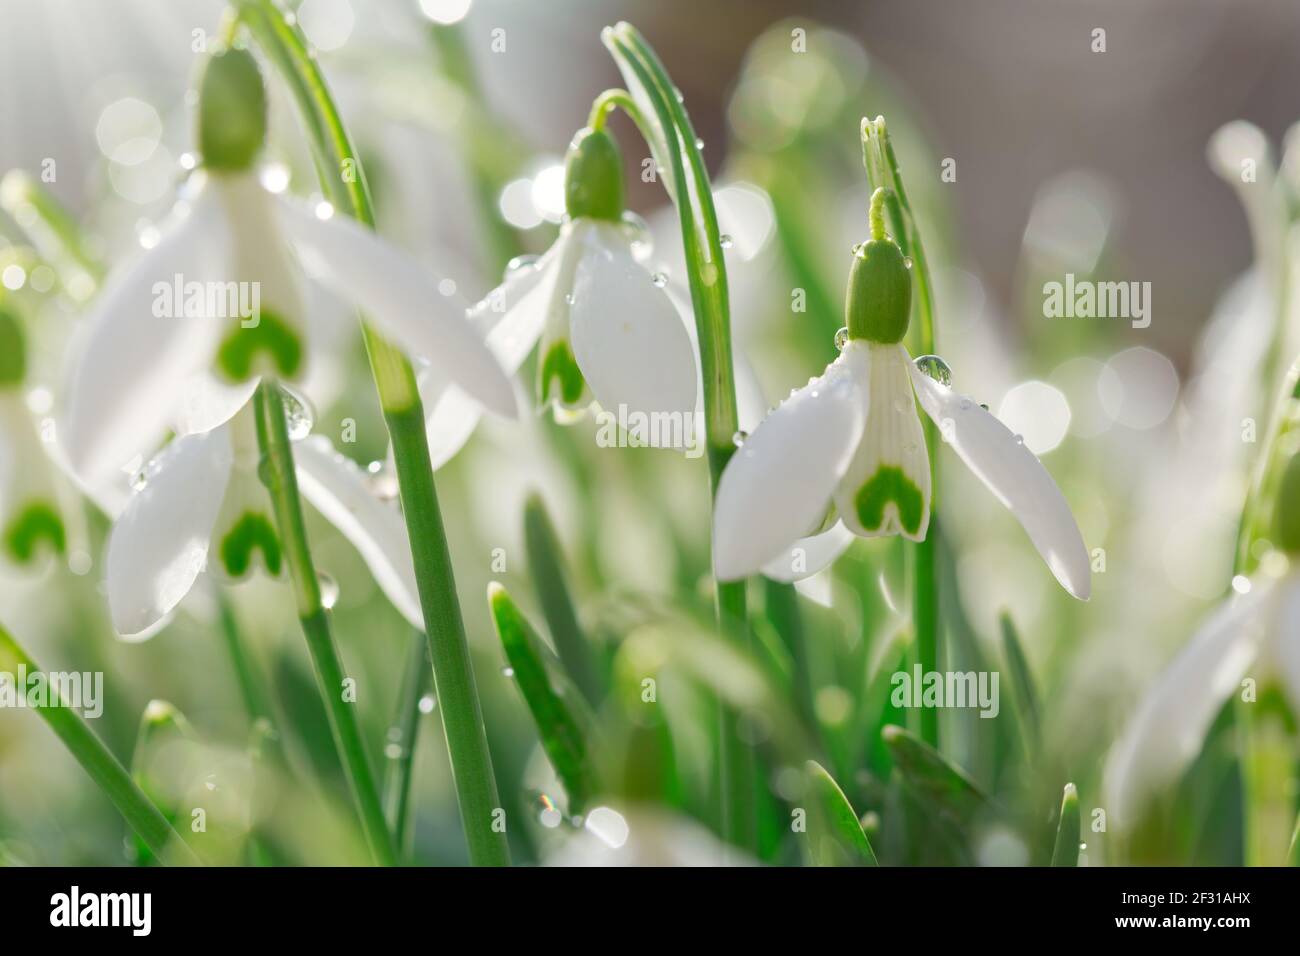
{"x":1286,"y":514}
{"x":593,"y":176}
{"x":879,"y":300}
{"x":232,"y":111}
{"x":13,"y":351}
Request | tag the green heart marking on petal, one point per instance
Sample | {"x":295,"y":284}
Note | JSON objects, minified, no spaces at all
{"x":237,"y":354}
{"x":251,"y":532}
{"x":886,"y":485}
{"x":560,"y":364}
{"x":39,"y":520}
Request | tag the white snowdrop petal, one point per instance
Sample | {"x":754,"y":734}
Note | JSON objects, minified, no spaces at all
{"x":1169,"y":727}
{"x":133,"y":362}
{"x":205,"y":402}
{"x":628,"y":338}
{"x":778,"y":484}
{"x":450,"y":417}
{"x":159,"y":543}
{"x":809,"y":555}
{"x":401,"y":298}
{"x":886,"y":488}
{"x":337,"y":488}
{"x":1014,"y":475}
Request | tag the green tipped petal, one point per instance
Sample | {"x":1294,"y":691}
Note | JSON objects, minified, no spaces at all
{"x":887,"y":485}
{"x":13,"y":350}
{"x":232,"y":111}
{"x":37,"y":522}
{"x":561,"y":368}
{"x":237,"y":357}
{"x":252,"y":532}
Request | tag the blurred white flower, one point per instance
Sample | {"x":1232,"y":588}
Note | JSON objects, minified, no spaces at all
{"x":163,"y":326}
{"x":1257,"y":625}
{"x":202,"y":494}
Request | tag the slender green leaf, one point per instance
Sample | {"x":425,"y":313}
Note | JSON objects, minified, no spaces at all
{"x":551,"y":699}
{"x":546,"y":565}
{"x":403,"y":732}
{"x":1066,"y":851}
{"x":931,"y":776}
{"x":837,"y":817}
{"x":1022,"y":679}
{"x":104,"y":768}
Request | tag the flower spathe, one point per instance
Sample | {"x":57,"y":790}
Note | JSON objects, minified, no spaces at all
{"x":606,"y":330}
{"x":201,"y":505}
{"x":181,"y":312}
{"x":852,"y":438}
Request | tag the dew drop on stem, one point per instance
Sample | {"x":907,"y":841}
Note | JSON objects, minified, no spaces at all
{"x":841,"y":338}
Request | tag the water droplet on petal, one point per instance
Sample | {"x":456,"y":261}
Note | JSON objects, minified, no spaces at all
{"x":329,"y":590}
{"x":726,"y":241}
{"x":520,"y":262}
{"x":842,"y":338}
{"x":738,"y":439}
{"x":659,"y":279}
{"x":936,"y":368}
{"x":638,"y":233}
{"x":568,"y":298}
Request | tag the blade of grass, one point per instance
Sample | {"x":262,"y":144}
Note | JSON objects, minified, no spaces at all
{"x":931,"y":776}
{"x":1066,"y":851}
{"x":546,"y":566}
{"x":561,"y":725}
{"x":403,"y":733}
{"x":105,"y":769}
{"x":1022,"y":680}
{"x":839,"y":818}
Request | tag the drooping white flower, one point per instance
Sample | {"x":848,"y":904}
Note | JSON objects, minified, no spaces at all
{"x":607,"y":328}
{"x":217,"y":302}
{"x":200,"y":505}
{"x":852,"y":438}
{"x":1255,"y":632}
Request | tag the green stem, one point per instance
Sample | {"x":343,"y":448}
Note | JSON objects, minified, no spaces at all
{"x":403,"y":733}
{"x":707,"y":274}
{"x":105,"y":769}
{"x":462,"y":719}
{"x":611,"y":100}
{"x":882,"y":170}
{"x":281,"y":480}
{"x":249,"y":689}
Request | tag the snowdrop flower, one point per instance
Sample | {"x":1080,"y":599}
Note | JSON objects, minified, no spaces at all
{"x":201,"y":505}
{"x":852,"y":438}
{"x":607,"y":328}
{"x":30,"y":520}
{"x":1257,"y":626}
{"x":217,"y":302}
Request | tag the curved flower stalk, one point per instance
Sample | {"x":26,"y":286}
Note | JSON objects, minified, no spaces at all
{"x":218,"y":299}
{"x":852,"y":438}
{"x":31,"y":524}
{"x":201,"y":504}
{"x":1255,"y":627}
{"x":607,"y":328}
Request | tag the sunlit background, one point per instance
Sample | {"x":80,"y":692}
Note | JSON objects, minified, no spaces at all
{"x":1111,"y":165}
